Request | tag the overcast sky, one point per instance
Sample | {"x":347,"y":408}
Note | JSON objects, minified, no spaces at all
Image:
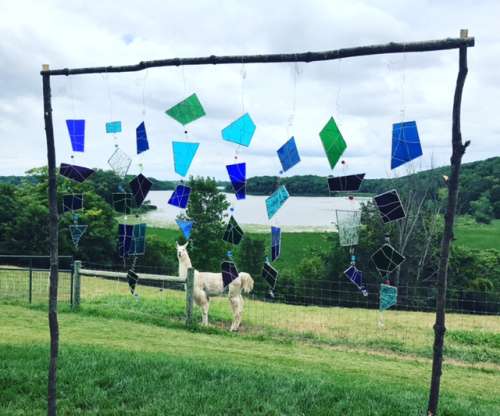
{"x":365,"y":95}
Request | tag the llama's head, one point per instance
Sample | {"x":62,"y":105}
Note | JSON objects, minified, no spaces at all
{"x":182,"y":253}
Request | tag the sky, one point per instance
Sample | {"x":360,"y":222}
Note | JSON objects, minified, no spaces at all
{"x":365,"y":95}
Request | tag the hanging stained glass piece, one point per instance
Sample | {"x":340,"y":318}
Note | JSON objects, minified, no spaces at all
{"x":125,"y":232}
{"x":389,"y":205}
{"x":186,"y":227}
{"x":270,"y":275}
{"x":187,"y":110}
{"x":405,"y":143}
{"x":141,"y":138}
{"x":113,"y":127}
{"x":388,"y":296}
{"x":240,"y":131}
{"x":120,"y":162}
{"x":138,"y":240}
{"x":183,"y":156}
{"x":276,"y":200}
{"x":74,"y":172}
{"x":275,"y":243}
{"x":288,"y":154}
{"x":349,"y":183}
{"x":237,"y":173}
{"x":140,"y":187}
{"x":72,"y":202}
{"x":122,"y":202}
{"x":76,"y":130}
{"x":233,"y":233}
{"x":132,"y":279}
{"x":387,"y":259}
{"x":348,"y":223}
{"x":356,"y":277}
{"x":229,"y":272}
{"x":333,"y":142}
{"x":77,"y":231}
{"x":180,"y":196}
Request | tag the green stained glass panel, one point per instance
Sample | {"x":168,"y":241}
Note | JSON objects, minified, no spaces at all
{"x":187,"y":110}
{"x":333,"y":142}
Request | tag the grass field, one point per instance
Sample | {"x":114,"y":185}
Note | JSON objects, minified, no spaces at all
{"x":123,"y":356}
{"x":481,"y":236}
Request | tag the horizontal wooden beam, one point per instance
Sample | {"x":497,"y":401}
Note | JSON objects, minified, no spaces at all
{"x":393,"y":47}
{"x":122,"y":275}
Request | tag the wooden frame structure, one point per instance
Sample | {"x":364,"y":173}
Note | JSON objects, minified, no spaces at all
{"x":458,"y":149}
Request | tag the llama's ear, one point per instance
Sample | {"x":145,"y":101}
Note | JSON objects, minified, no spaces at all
{"x":176,"y":244}
{"x":185,"y":245}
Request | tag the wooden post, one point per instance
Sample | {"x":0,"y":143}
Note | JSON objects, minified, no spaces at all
{"x":189,"y":296}
{"x":449,"y":218}
{"x":76,"y":283}
{"x":30,"y":289}
{"x":53,"y":246}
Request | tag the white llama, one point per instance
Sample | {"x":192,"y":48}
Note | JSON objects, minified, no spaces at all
{"x":208,"y":284}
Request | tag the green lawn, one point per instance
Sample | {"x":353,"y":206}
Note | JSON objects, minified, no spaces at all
{"x":123,"y":356}
{"x":474,"y":235}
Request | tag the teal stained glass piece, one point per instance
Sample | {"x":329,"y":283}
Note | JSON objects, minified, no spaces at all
{"x":388,"y":296}
{"x":183,"y":156}
{"x":276,"y":201}
{"x":240,"y":131}
{"x":333,"y":142}
{"x":113,"y":127}
{"x":77,"y":232}
{"x":138,"y":241}
{"x":187,"y":110}
{"x":186,"y":227}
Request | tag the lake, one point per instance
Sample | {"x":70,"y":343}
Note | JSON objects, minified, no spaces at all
{"x":299,"y":213}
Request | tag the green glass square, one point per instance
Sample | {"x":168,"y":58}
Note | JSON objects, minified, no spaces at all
{"x":187,"y":110}
{"x":333,"y":142}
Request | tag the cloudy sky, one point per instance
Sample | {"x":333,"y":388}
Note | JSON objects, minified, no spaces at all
{"x":365,"y":95}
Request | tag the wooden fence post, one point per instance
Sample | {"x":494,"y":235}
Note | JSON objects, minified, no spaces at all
{"x":76,"y":283}
{"x":189,"y":296}
{"x":30,"y":283}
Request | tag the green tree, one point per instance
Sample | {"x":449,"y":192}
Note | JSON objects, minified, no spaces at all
{"x":207,"y":206}
{"x":482,"y":209}
{"x":250,"y":255}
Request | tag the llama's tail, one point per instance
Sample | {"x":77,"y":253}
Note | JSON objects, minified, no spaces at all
{"x":246,"y":282}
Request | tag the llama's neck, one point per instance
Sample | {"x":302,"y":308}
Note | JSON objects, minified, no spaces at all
{"x":184,"y":265}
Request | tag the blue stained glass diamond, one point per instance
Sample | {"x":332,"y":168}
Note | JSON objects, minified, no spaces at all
{"x":141,"y":138}
{"x":405,"y":143}
{"x":240,"y":131}
{"x":237,"y":174}
{"x":180,"y":196}
{"x":289,"y":154}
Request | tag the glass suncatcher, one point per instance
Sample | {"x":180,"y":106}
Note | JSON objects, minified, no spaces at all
{"x":237,"y":175}
{"x":240,"y":131}
{"x":77,"y":231}
{"x":270,"y":275}
{"x":141,"y":138}
{"x":184,"y":153}
{"x":348,"y":223}
{"x":275,"y":243}
{"x":76,"y":130}
{"x":188,"y":110}
{"x":405,"y":143}
{"x":140,"y":187}
{"x":185,"y":226}
{"x":356,"y":277}
{"x":74,"y":172}
{"x":120,"y":162}
{"x":113,"y":127}
{"x":333,"y":142}
{"x":387,"y":259}
{"x":388,"y":296}
{"x":233,"y":233}
{"x":389,"y":205}
{"x":72,"y":202}
{"x":276,"y":200}
{"x":288,"y":154}
{"x":229,"y":272}
{"x":122,"y":202}
{"x":349,"y":183}
{"x":180,"y":196}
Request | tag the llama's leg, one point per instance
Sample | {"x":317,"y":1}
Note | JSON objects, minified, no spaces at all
{"x":204,"y":309}
{"x":239,"y":314}
{"x":237,"y":306}
{"x":201,"y":299}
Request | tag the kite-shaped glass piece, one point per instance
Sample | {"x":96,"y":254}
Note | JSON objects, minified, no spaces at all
{"x":76,"y":130}
{"x":72,"y":202}
{"x":187,"y":110}
{"x":237,"y":173}
{"x":229,"y":272}
{"x":183,"y":156}
{"x":180,"y":196}
{"x":348,"y":227}
{"x":233,"y":233}
{"x":138,"y":240}
{"x":270,"y":275}
{"x":390,"y":206}
{"x":356,"y":276}
{"x":388,"y":296}
{"x":387,"y":259}
{"x":141,"y":138}
{"x":113,"y":127}
{"x":125,"y":232}
{"x":120,"y":162}
{"x":77,"y":231}
{"x":240,"y":131}
{"x":122,"y":202}
{"x":275,"y":243}
{"x":74,"y":172}
{"x":289,"y":154}
{"x":349,"y":183}
{"x":132,"y":279}
{"x":140,"y":187}
{"x":186,"y":227}
{"x":333,"y":142}
{"x":276,"y":200}
{"x":405,"y":143}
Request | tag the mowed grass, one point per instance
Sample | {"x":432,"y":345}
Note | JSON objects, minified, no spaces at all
{"x":120,"y":356}
{"x":481,"y":236}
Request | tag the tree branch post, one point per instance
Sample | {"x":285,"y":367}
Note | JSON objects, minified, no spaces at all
{"x":456,"y":162}
{"x":53,"y":245}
